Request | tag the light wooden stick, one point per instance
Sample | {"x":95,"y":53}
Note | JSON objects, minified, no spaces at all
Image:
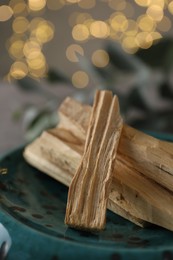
{"x":88,"y":192}
{"x":132,"y":196}
{"x":143,"y":153}
{"x":60,"y":158}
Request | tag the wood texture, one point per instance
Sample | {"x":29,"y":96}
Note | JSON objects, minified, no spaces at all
{"x":60,"y":159}
{"x":132,"y":196}
{"x":145,"y":154}
{"x":89,"y":189}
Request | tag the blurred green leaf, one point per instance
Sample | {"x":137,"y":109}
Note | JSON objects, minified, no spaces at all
{"x":29,"y":85}
{"x":122,"y":60}
{"x":42,"y":121}
{"x":159,"y":55}
{"x":166,"y":91}
{"x":57,"y":76}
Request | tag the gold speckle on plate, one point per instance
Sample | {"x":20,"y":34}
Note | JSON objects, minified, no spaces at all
{"x":3,"y":171}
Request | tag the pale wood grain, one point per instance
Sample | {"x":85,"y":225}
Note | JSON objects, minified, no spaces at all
{"x":146,"y":154}
{"x":89,"y":189}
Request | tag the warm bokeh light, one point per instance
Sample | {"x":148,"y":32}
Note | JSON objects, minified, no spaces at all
{"x":73,"y":1}
{"x":144,"y":40}
{"x":170,"y":7}
{"x":20,"y":8}
{"x":36,"y":5}
{"x":35,"y":22}
{"x":88,"y":22}
{"x":16,"y":49}
{"x":38,"y":73}
{"x":155,"y":12}
{"x":119,"y":22}
{"x":44,"y":31}
{"x":37,"y":62}
{"x":20,"y":24}
{"x":129,"y":10}
{"x":31,"y":32}
{"x":132,"y":28}
{"x":5,"y":13}
{"x":87,"y":4}
{"x":100,"y":58}
{"x":143,"y":3}
{"x":55,"y":5}
{"x":82,"y":18}
{"x":146,"y":23}
{"x":18,"y":70}
{"x":80,"y":79}
{"x":72,"y":18}
{"x":31,"y":49}
{"x":99,"y":29}
{"x":160,"y":3}
{"x":80,"y":32}
{"x":155,"y":36}
{"x":129,"y":44}
{"x":164,"y":25}
{"x":72,"y":51}
{"x":117,"y":5}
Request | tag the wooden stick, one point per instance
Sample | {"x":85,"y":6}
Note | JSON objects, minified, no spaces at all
{"x":132,"y":196}
{"x":60,"y":159}
{"x":89,"y":189}
{"x":143,"y":153}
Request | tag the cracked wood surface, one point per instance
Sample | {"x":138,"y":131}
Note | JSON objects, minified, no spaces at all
{"x":89,"y":190}
{"x":149,"y":156}
{"x":58,"y":151}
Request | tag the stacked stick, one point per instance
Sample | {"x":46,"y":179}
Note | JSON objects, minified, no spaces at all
{"x":142,"y":184}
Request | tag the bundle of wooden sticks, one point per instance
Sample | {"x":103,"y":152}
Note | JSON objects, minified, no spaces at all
{"x":106,"y":164}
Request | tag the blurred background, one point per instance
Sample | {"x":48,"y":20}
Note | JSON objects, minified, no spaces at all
{"x":54,"y":48}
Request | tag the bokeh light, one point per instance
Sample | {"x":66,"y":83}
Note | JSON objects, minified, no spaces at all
{"x":160,"y":3}
{"x":155,"y":12}
{"x":36,"y":5}
{"x":170,"y":7}
{"x":129,"y":44}
{"x":80,"y":79}
{"x":144,"y":40}
{"x":20,"y":8}
{"x":100,"y":58}
{"x":82,"y":18}
{"x":117,"y":5}
{"x":119,"y":22}
{"x":73,"y":1}
{"x":87,"y":4}
{"x":80,"y":32}
{"x":72,"y":51}
{"x":44,"y":32}
{"x":55,"y":5}
{"x":146,"y":23}
{"x":164,"y":25}
{"x":143,"y":3}
{"x":20,"y":24}
{"x":18,"y":70}
{"x":31,"y":49}
{"x":99,"y":29}
{"x":16,"y":49}
{"x":5,"y":13}
{"x":132,"y":28}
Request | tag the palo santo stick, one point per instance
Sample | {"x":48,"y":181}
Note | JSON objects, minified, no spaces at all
{"x":132,"y":196}
{"x":60,"y":159}
{"x":88,"y":192}
{"x":143,"y":153}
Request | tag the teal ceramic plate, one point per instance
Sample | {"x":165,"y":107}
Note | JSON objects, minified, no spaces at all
{"x":33,"y":209}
